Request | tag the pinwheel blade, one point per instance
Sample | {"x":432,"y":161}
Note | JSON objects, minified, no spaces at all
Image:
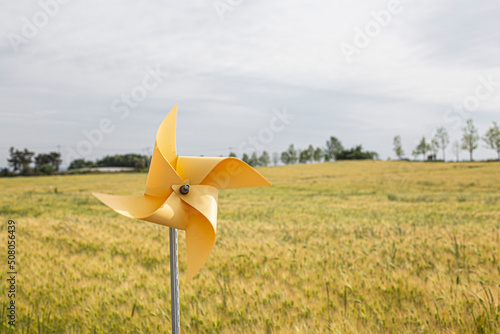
{"x":161,"y":175}
{"x":200,"y":239}
{"x":173,"y":213}
{"x":165,"y":137}
{"x":221,"y":173}
{"x":136,"y":207}
{"x":201,"y":226}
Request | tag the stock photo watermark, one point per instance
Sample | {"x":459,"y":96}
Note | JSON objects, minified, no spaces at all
{"x":221,"y":7}
{"x":363,"y":37}
{"x":266,"y":135}
{"x":460,"y":112}
{"x":121,"y":107}
{"x":12,"y":272}
{"x":30,"y":27}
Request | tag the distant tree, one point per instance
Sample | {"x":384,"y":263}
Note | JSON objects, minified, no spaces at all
{"x":422,"y":148}
{"x":310,"y":150}
{"x":123,"y":160}
{"x":46,"y":169}
{"x":5,"y":172}
{"x":21,"y":160}
{"x":232,"y":155}
{"x":292,"y":153}
{"x":56,"y":160}
{"x":276,"y":158}
{"x":264,"y":159}
{"x":246,"y":158}
{"x":15,"y":159}
{"x":356,"y":153}
{"x":434,"y":148}
{"x":318,"y":154}
{"x":42,"y":164}
{"x":398,"y":149}
{"x":254,"y":160}
{"x":441,"y":140}
{"x":81,"y":163}
{"x":492,"y":138}
{"x":333,"y":148}
{"x":285,"y":158}
{"x":470,"y":138}
{"x":305,"y":156}
{"x":52,"y":159}
{"x":455,"y":147}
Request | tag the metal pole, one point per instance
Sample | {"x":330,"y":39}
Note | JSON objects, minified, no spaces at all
{"x":174,"y":283}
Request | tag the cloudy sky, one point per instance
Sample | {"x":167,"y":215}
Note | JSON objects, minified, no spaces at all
{"x":93,"y":78}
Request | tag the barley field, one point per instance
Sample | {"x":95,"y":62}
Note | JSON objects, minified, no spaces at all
{"x":343,"y":247}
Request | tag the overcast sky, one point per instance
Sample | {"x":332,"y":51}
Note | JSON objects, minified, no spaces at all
{"x":279,"y":72}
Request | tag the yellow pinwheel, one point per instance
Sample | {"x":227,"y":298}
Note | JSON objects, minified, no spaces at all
{"x":181,"y":192}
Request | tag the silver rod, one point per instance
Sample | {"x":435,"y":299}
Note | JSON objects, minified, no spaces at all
{"x":174,"y":282}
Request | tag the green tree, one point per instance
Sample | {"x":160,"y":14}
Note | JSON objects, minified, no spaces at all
{"x":80,"y":163}
{"x":123,"y":160}
{"x":264,"y":159}
{"x":254,"y":160}
{"x":434,"y":148}
{"x":310,"y":153}
{"x":21,"y":160}
{"x":232,"y":155}
{"x":492,"y":138}
{"x":292,"y":154}
{"x":318,"y":154}
{"x":441,"y":140}
{"x":398,"y":148}
{"x":422,"y":148}
{"x":470,"y":138}
{"x":52,"y":159}
{"x":246,"y":158}
{"x":305,"y":156}
{"x":356,"y":153}
{"x":46,"y":169}
{"x":333,"y":148}
{"x":285,"y":158}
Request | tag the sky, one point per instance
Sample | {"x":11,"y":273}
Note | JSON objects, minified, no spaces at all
{"x":94,"y":78}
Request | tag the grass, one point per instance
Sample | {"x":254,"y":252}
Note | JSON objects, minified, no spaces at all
{"x":349,"y":247}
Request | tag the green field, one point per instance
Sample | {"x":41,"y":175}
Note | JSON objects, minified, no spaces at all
{"x":344,"y":247}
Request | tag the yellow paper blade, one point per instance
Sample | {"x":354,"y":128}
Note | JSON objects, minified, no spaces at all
{"x":196,"y":168}
{"x":161,"y":175}
{"x":203,"y":199}
{"x":173,"y":213}
{"x":200,"y":239}
{"x":165,"y":137}
{"x":132,"y":206}
{"x":221,"y":173}
{"x":202,"y":224}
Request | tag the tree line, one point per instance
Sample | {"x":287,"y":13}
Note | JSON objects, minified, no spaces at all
{"x":130,"y":160}
{"x":469,"y":142}
{"x":334,"y":150}
{"x":27,"y":163}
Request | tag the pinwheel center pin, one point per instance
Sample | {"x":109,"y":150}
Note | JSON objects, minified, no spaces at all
{"x":184,"y":189}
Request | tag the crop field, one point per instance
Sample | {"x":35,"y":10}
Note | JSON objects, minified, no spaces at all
{"x":343,"y":247}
